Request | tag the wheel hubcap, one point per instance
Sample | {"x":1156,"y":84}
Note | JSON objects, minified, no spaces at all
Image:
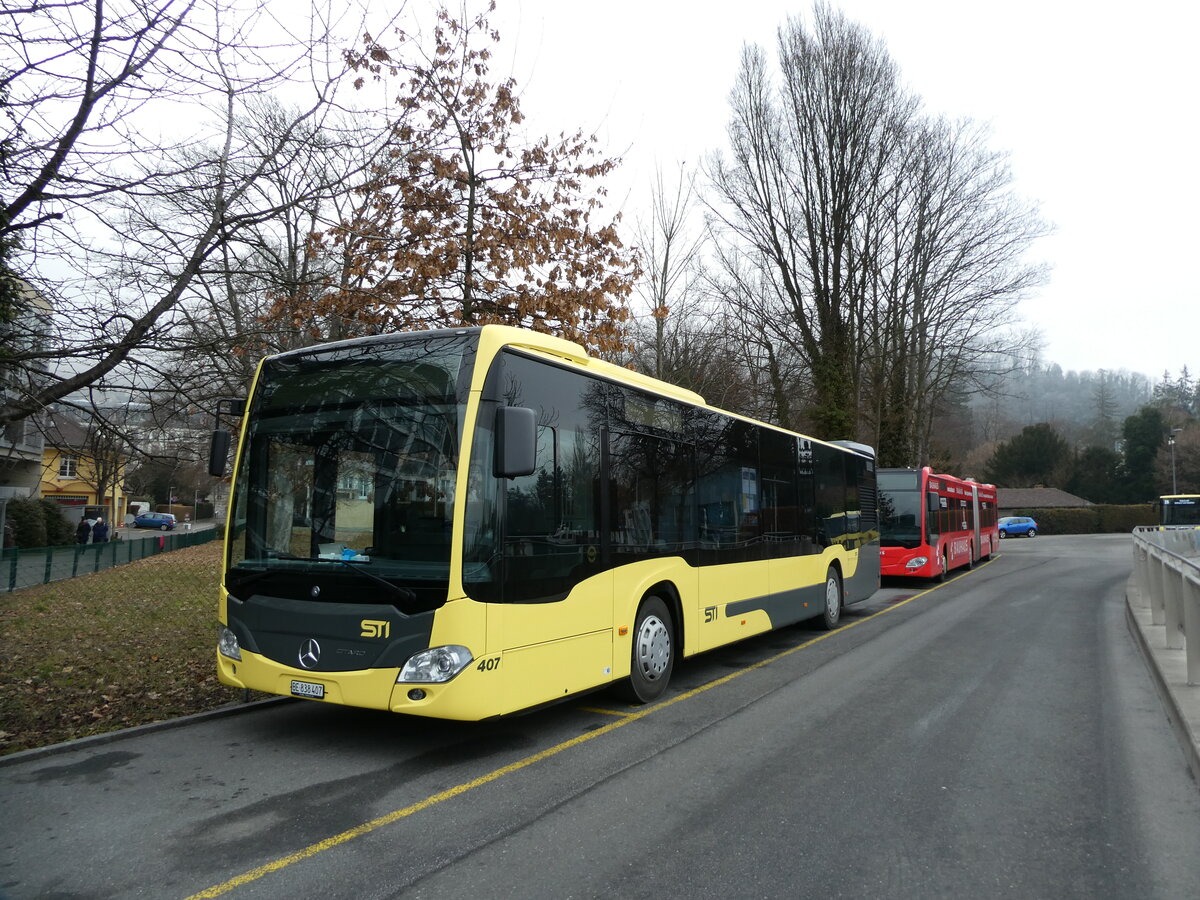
{"x":831,"y":598}
{"x":653,"y":648}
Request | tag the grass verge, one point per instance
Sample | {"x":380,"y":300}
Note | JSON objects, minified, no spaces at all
{"x":127,"y":646}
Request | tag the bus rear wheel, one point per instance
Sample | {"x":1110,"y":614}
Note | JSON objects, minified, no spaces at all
{"x":832,"y":613}
{"x":653,"y":654}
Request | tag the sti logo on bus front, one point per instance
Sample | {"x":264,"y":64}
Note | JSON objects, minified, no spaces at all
{"x":375,"y":628}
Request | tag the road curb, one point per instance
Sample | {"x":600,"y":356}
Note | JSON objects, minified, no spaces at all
{"x":92,"y":740}
{"x":1183,"y":712}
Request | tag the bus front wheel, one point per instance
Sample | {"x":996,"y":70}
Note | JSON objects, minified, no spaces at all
{"x":653,"y":654}
{"x":832,"y":613}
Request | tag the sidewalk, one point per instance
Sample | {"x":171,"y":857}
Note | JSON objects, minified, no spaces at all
{"x":1169,"y":668}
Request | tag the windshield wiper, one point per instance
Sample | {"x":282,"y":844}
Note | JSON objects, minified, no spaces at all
{"x":403,"y":592}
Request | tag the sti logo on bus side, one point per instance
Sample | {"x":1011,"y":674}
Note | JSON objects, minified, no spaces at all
{"x":375,"y":628}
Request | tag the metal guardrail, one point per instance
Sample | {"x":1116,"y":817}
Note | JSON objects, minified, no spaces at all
{"x":41,"y":565}
{"x":1166,"y":569}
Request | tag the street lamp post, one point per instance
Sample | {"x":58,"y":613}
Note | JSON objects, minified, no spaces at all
{"x":1171,"y":444}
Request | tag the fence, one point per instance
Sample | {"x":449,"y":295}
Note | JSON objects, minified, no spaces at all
{"x":1166,"y":567}
{"x":25,"y":568}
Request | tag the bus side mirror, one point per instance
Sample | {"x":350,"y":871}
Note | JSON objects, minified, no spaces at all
{"x":933,"y":504}
{"x":218,"y":453}
{"x":218,"y":450}
{"x":516,"y":442}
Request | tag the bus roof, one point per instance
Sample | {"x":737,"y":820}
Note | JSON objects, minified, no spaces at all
{"x":542,"y":344}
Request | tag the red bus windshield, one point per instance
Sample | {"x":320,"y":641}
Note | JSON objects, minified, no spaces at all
{"x":900,"y":500}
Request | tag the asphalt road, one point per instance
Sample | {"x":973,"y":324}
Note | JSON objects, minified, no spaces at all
{"x":997,"y":736}
{"x":129,"y":533}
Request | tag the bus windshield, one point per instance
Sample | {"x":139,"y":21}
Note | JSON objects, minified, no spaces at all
{"x":349,"y":465}
{"x":1181,"y":510}
{"x":900,"y":509}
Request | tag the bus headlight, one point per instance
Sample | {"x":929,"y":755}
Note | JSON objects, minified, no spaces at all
{"x":916,"y":562}
{"x":436,"y":664}
{"x":227,"y":643}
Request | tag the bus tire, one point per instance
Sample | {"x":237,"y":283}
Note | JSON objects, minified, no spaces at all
{"x":941,"y":576}
{"x":831,"y":613}
{"x":653,"y":653}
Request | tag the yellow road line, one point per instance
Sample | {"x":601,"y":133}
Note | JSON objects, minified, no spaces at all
{"x":605,"y":712}
{"x":433,"y":800}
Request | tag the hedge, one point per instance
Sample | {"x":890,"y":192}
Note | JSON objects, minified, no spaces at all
{"x":59,"y":532}
{"x":28,"y":522}
{"x":38,"y":523}
{"x":1099,"y":519}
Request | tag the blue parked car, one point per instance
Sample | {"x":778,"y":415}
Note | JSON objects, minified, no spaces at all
{"x":1014,"y":526}
{"x":161,"y":521}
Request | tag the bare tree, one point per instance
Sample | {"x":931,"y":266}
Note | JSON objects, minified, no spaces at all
{"x":804,"y":172}
{"x":226,"y":324}
{"x":948,"y":272}
{"x":884,"y":248}
{"x":684,"y":334}
{"x":670,"y":246}
{"x":119,"y":222}
{"x":467,"y":221}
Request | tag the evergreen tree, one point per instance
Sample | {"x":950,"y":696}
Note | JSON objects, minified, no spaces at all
{"x":1144,"y":433}
{"x":1038,"y":455}
{"x":1096,"y":475}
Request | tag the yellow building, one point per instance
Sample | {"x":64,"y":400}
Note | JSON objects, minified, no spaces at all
{"x":80,"y":468}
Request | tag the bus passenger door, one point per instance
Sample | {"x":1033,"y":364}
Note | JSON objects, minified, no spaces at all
{"x":553,"y":624}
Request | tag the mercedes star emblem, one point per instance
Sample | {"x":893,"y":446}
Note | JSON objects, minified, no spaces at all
{"x":310,"y":653}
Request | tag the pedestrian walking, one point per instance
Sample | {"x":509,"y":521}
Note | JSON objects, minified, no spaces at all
{"x":83,"y":532}
{"x":99,"y":532}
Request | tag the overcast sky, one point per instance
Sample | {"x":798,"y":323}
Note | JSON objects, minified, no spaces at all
{"x":1095,"y":103}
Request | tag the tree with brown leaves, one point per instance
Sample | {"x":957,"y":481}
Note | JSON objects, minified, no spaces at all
{"x":461,"y":223}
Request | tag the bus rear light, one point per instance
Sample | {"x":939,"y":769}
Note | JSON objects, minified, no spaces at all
{"x":227,"y":643}
{"x":916,"y":562}
{"x":435,"y":665}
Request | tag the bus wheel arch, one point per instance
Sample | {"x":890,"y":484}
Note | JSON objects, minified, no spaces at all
{"x":654,"y":648}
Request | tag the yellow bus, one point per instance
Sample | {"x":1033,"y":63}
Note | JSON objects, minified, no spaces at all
{"x":1179,"y":510}
{"x":467,"y":523}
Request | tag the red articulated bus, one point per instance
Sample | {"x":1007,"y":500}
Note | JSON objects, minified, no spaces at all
{"x":932,"y":524}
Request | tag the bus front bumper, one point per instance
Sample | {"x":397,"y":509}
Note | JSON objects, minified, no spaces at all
{"x":366,"y":688}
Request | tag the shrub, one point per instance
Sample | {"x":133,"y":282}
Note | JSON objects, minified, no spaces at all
{"x":1123,"y":519}
{"x":59,"y":532}
{"x":1073,"y":520}
{"x":28,"y":522}
{"x":1099,"y":519}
